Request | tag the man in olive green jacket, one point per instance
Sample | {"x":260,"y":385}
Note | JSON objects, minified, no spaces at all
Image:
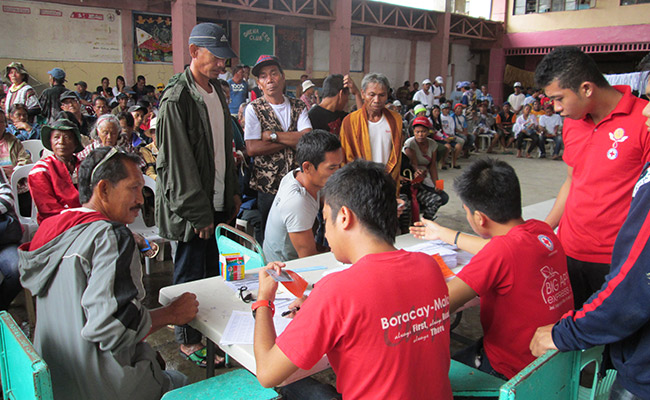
{"x":197,"y":185}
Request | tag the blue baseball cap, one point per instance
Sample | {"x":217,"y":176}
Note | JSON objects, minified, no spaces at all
{"x":212,"y":37}
{"x":57,"y":73}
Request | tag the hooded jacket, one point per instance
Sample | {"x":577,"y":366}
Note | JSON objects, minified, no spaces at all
{"x":87,"y":281}
{"x":185,"y":163}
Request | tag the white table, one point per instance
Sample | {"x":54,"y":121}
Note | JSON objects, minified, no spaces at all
{"x":217,"y":301}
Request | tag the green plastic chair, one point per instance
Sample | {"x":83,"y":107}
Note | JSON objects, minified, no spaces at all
{"x":235,"y":385}
{"x":551,"y":376}
{"x":601,"y":387}
{"x":230,"y":240}
{"x":25,"y":375}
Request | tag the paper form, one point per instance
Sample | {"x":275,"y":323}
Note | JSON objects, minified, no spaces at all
{"x":241,"y":327}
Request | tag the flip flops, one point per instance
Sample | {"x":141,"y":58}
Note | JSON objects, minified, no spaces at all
{"x":199,"y":358}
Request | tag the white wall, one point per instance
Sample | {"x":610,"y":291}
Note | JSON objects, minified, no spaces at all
{"x":390,"y":57}
{"x":422,"y":61}
{"x":464,"y":65}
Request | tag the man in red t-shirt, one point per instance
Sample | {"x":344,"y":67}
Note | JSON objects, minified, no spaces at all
{"x":520,"y":274}
{"x":383,"y":323}
{"x":606,"y":145}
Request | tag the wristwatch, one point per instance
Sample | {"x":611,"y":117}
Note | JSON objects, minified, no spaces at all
{"x":263,"y":303}
{"x":274,"y":137}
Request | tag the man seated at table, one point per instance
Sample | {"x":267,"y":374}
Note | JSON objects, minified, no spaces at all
{"x":520,"y":274}
{"x":383,"y":322}
{"x":86,"y":277}
{"x":288,"y":233}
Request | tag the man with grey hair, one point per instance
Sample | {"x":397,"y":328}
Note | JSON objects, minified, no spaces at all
{"x":329,"y":114}
{"x":373,"y":132}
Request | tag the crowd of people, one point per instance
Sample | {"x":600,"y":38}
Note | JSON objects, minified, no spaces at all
{"x":311,"y":174}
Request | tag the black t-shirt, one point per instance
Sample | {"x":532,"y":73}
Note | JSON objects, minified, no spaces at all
{"x":322,"y":118}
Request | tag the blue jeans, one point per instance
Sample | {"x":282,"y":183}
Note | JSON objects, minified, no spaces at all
{"x":10,"y":277}
{"x":475,"y":357}
{"x":196,"y":259}
{"x":309,"y":389}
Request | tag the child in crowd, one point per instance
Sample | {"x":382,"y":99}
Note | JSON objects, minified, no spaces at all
{"x":446,"y":137}
{"x":519,"y":270}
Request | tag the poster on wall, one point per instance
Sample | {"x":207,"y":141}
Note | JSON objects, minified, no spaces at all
{"x":153,"y":38}
{"x":255,"y":40}
{"x":357,"y":50}
{"x":292,"y":47}
{"x":67,"y":33}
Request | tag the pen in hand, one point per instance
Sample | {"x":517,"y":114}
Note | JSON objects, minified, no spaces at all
{"x":296,"y":309}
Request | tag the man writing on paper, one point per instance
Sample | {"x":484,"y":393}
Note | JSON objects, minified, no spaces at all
{"x":352,"y":315}
{"x":288,"y":232}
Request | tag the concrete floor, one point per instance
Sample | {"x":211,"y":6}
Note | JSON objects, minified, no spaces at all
{"x":540,"y":180}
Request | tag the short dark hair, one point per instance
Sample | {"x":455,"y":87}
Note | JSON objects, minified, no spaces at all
{"x":313,"y":145}
{"x":237,"y":68}
{"x":149,"y":89}
{"x":17,"y":106}
{"x":571,"y":67}
{"x":141,"y":78}
{"x":101,"y":98}
{"x":144,"y":103}
{"x":332,"y":85}
{"x":112,"y":170}
{"x":369,"y":192}
{"x":491,"y":187}
{"x":58,"y":81}
{"x":126,"y":116}
{"x":106,"y":79}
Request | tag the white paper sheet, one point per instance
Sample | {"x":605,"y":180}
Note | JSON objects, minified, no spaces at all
{"x":241,"y":328}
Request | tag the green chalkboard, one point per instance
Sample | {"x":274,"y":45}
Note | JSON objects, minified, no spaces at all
{"x":255,"y":40}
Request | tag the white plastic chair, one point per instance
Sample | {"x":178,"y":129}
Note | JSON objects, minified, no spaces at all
{"x":29,"y":223}
{"x":148,"y":232}
{"x":34,"y":147}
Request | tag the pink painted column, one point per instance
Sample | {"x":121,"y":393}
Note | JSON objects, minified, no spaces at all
{"x":495,"y":75}
{"x":340,"y":31}
{"x":439,"y":58}
{"x":500,"y":10}
{"x":127,"y":47}
{"x":183,"y":20}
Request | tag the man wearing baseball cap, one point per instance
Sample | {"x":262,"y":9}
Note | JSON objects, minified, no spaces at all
{"x":425,"y":95}
{"x":49,"y":100}
{"x":438,"y":90}
{"x":517,"y":98}
{"x":274,"y":123}
{"x":197,"y":180}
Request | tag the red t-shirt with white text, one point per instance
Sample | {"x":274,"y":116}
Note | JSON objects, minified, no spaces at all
{"x":523,"y":283}
{"x":384,"y":325}
{"x":607,"y":160}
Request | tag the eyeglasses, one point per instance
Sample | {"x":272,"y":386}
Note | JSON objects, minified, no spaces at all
{"x":245,"y":297}
{"x":113,"y":151}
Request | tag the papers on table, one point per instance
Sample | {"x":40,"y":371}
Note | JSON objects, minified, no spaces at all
{"x":241,"y":328}
{"x":251,"y":282}
{"x":446,"y":251}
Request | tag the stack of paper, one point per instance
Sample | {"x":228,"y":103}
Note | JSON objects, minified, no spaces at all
{"x":446,"y":251}
{"x":241,"y":328}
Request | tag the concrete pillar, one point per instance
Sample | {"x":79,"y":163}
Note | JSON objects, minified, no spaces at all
{"x":500,"y":10}
{"x":183,"y":20}
{"x":495,"y":75}
{"x":340,"y":31}
{"x":127,"y":47}
{"x":309,"y":64}
{"x":440,"y":48}
{"x":366,"y":55}
{"x":234,"y":41}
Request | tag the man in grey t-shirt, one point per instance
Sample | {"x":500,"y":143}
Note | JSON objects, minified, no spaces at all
{"x":288,"y":234}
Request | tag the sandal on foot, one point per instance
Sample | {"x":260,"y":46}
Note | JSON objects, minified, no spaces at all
{"x":199,"y":358}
